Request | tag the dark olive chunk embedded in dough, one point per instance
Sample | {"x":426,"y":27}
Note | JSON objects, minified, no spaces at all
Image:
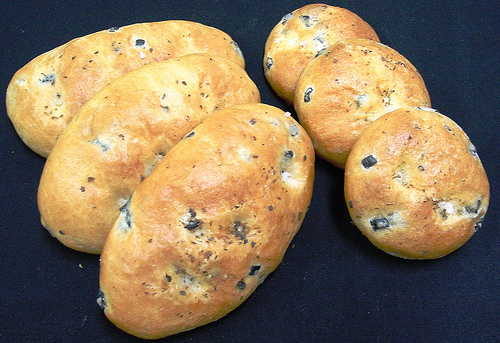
{"x":369,"y":161}
{"x":307,"y":94}
{"x":379,"y":223}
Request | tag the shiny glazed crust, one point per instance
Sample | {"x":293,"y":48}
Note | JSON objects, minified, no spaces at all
{"x":415,"y":186}
{"x":212,"y":220}
{"x":45,"y":94}
{"x":302,"y":35}
{"x":349,"y":86}
{"x":122,"y":133}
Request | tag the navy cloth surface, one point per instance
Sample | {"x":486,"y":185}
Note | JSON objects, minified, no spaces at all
{"x":332,"y":285}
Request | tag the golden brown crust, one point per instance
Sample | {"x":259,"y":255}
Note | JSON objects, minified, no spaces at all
{"x":209,"y":224}
{"x":348,"y":87}
{"x":415,"y":185}
{"x":303,"y":34}
{"x":46,"y":93}
{"x":120,"y":135}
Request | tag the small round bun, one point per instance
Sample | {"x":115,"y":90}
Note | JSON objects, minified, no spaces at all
{"x":349,"y":86}
{"x":302,"y":35}
{"x":414,"y":184}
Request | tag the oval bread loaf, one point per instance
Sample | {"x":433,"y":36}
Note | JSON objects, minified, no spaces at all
{"x":120,"y":135}
{"x":45,"y":94}
{"x":414,"y":184}
{"x":213,"y":219}
{"x":351,"y":84}
{"x":301,"y":36}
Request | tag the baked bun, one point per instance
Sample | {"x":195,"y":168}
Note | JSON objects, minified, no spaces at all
{"x":211,"y":221}
{"x":350,"y":85}
{"x":414,"y":184}
{"x":302,"y":35}
{"x":45,"y":94}
{"x":122,"y":133}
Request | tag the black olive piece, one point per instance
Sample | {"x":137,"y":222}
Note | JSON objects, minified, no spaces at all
{"x":114,"y":29}
{"x":379,"y":223}
{"x":103,"y":145}
{"x":369,"y":161}
{"x":269,"y":62}
{"x":321,"y":52}
{"x":239,"y":230}
{"x":286,"y":18}
{"x":236,"y":47}
{"x":48,"y":78}
{"x":478,"y":224}
{"x":191,"y":134}
{"x":474,"y":208}
{"x":192,"y":223}
{"x":241,"y":285}
{"x":128,"y":215}
{"x":306,"y":20}
{"x":288,"y":155}
{"x":101,"y":300}
{"x":294,"y":130}
{"x":472,"y":150}
{"x":254,"y":270}
{"x":307,"y":94}
{"x":124,"y":207}
{"x":140,"y":42}
{"x":168,"y":277}
{"x":128,"y":218}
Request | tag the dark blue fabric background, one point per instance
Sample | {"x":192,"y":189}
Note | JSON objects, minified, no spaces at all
{"x":333,"y":285}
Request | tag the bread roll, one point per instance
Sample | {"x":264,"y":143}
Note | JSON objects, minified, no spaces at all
{"x":213,"y":219}
{"x":45,"y":94}
{"x":302,"y":35}
{"x":350,"y":85}
{"x":414,"y":184}
{"x":120,"y":135}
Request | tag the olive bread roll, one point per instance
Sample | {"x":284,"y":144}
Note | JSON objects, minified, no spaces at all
{"x":45,"y":94}
{"x":414,"y":184}
{"x":302,"y":35}
{"x":211,"y":221}
{"x":122,"y":133}
{"x":350,"y":85}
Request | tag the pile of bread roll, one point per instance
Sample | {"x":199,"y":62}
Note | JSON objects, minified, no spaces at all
{"x":162,"y":159}
{"x":414,"y":184}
